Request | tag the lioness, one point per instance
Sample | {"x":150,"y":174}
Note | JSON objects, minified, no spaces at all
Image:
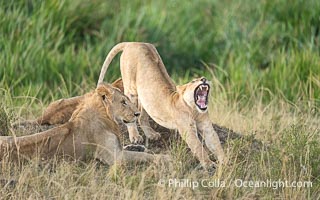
{"x":60,"y":111}
{"x":91,"y":131}
{"x":147,"y":83}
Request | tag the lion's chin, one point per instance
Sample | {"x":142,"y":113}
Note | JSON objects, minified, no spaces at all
{"x":201,"y":110}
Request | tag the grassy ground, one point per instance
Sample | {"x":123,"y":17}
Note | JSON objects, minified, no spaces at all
{"x":262,"y":57}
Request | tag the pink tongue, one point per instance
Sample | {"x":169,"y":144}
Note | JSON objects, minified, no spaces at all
{"x":202,"y":101}
{"x":202,"y":98}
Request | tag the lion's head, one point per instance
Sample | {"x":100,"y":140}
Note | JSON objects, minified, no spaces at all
{"x":120,"y":106}
{"x":196,"y":93}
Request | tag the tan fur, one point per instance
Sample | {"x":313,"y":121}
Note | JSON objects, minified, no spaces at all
{"x":90,"y":133}
{"x":60,"y":111}
{"x":147,"y":84}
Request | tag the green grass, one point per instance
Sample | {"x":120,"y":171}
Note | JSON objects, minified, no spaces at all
{"x":44,"y":43}
{"x":262,"y":57}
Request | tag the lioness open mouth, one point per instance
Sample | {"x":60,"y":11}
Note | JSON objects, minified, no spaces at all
{"x":201,"y":96}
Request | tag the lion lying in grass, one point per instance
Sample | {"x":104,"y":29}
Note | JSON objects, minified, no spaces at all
{"x":183,"y":108}
{"x":60,"y":111}
{"x":91,"y":132}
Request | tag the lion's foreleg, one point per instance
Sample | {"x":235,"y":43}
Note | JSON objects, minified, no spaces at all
{"x":111,"y":152}
{"x":132,"y":156}
{"x":212,"y":140}
{"x":189,"y":134}
{"x":134,"y":135}
{"x":145,"y":125}
{"x":108,"y":150}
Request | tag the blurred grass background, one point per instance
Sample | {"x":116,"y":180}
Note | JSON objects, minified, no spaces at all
{"x":263,"y":57}
{"x":248,"y":45}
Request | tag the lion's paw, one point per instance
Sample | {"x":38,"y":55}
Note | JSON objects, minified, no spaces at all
{"x":211,"y":168}
{"x":136,"y":139}
{"x":208,"y":166}
{"x":135,"y":147}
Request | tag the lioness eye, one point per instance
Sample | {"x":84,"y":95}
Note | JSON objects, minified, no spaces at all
{"x":124,"y":102}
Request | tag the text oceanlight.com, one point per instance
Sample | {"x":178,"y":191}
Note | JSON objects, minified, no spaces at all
{"x":215,"y":183}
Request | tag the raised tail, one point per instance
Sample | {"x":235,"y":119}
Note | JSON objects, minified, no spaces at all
{"x":113,"y":52}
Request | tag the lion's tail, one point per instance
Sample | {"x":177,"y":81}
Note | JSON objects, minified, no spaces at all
{"x":113,"y":52}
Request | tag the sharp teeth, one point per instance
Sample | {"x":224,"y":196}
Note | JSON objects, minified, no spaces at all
{"x":203,"y":106}
{"x":200,"y":87}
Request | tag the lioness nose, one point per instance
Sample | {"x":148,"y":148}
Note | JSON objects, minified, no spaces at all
{"x":137,"y":114}
{"x":203,"y":79}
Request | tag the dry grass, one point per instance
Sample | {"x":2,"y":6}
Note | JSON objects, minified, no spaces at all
{"x":291,"y":152}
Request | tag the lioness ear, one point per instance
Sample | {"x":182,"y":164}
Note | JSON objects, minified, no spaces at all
{"x":118,"y":84}
{"x":104,"y":91}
